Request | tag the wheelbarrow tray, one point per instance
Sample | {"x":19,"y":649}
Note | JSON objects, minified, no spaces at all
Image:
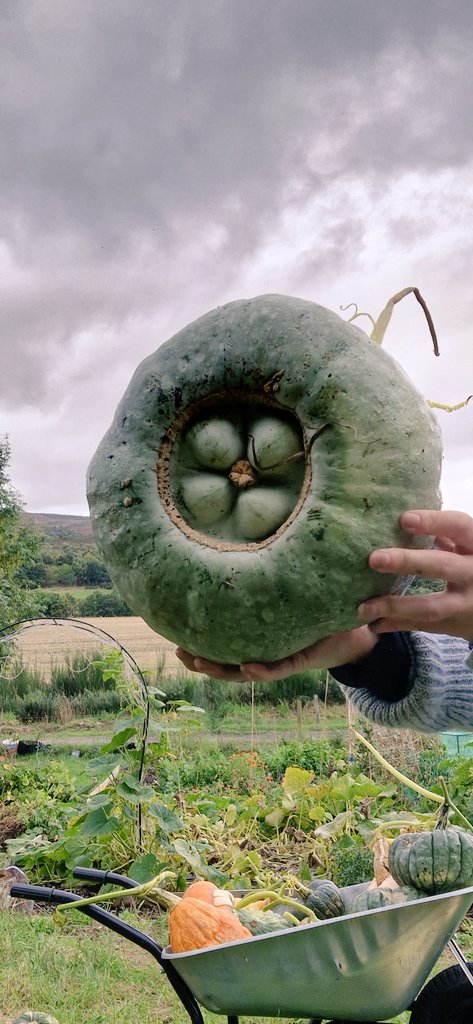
{"x":361,"y":966}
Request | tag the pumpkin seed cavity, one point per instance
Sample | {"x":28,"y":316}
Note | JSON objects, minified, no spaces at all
{"x":234,"y":473}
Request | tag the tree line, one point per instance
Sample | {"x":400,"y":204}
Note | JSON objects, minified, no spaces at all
{"x":28,"y":564}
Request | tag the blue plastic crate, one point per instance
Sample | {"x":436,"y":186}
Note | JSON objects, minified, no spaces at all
{"x":458,"y":744}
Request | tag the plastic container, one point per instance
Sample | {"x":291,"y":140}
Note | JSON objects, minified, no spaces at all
{"x":458,"y":744}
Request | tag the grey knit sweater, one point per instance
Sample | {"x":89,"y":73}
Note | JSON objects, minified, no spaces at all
{"x":414,"y":680}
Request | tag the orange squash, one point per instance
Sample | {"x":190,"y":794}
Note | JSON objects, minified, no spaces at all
{"x":194,"y":924}
{"x":210,"y":893}
{"x":200,"y":890}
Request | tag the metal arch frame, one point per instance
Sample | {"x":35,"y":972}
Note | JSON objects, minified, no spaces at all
{"x":14,"y":629}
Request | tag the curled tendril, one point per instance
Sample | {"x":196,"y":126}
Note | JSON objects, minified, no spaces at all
{"x":357,"y":314}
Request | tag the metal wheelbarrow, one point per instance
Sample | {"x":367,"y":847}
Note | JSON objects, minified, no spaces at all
{"x":368,"y":966}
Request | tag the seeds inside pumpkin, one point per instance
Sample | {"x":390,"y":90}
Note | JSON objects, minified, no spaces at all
{"x":233,"y":470}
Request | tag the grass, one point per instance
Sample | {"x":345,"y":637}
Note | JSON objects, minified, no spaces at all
{"x":236,"y":718}
{"x":75,"y":591}
{"x":234,"y":721}
{"x":83,"y":972}
{"x":86,"y":974}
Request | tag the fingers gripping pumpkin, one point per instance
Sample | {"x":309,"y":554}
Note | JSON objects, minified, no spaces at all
{"x":254,"y":462}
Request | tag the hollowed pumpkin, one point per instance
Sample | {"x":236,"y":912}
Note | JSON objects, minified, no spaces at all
{"x":254,"y":462}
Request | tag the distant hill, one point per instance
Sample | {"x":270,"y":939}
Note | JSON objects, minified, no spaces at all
{"x":60,"y":529}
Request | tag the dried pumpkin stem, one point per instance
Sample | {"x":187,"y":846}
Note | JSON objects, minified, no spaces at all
{"x":382,"y":323}
{"x":449,"y":408}
{"x":397,"y":774}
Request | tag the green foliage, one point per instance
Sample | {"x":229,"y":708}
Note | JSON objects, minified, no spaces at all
{"x":350,"y":861}
{"x":16,"y":681}
{"x":26,"y":778}
{"x":17,"y":546}
{"x":52,"y":605}
{"x":37,"y":707}
{"x":215,"y":695}
{"x":419,"y":585}
{"x":319,"y":756}
{"x":96,"y":702}
{"x":103,"y":603}
{"x":227,"y":821}
{"x":79,"y":673}
{"x":234,"y":816}
{"x":78,"y":687}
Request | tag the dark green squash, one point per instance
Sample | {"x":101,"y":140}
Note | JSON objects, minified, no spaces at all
{"x":325,"y":899}
{"x":262,"y":922}
{"x":253,"y":463}
{"x":371,"y":899}
{"x":433,"y":862}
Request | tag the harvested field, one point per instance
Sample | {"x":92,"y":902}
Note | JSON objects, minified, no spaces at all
{"x":48,"y":644}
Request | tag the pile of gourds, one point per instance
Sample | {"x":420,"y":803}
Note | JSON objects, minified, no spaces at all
{"x":412,"y":866}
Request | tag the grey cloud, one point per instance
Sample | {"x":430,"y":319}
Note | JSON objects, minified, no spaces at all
{"x":118,"y":116}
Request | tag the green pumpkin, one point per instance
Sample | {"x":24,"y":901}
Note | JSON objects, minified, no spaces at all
{"x":261,"y":922}
{"x":372,"y":899}
{"x":433,"y":862}
{"x":254,"y":462}
{"x":41,"y":1018}
{"x":325,"y":899}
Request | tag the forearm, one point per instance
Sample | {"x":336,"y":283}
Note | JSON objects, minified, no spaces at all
{"x":418,"y":681}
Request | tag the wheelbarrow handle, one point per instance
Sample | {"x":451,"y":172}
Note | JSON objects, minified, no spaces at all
{"x":56,"y":897}
{"x":105,"y":877}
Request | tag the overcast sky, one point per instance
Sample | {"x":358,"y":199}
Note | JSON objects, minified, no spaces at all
{"x":160,"y":157}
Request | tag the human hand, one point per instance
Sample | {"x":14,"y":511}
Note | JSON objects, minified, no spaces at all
{"x":449,"y":611}
{"x":338,"y":649}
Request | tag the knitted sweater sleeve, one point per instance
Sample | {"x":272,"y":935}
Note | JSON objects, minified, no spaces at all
{"x":414,"y":680}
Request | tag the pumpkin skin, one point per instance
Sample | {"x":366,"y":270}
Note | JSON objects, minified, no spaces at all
{"x":371,"y":899}
{"x":194,"y":924}
{"x":261,"y":922}
{"x":235,"y":572}
{"x":433,"y":862}
{"x":210,"y":893}
{"x":325,"y":899}
{"x":32,"y":1015}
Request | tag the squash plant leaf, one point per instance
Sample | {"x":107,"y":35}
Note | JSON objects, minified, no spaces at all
{"x":131,"y":790}
{"x":100,"y":800}
{"x":333,"y":828}
{"x":198,"y":864}
{"x":119,"y":739}
{"x":296,"y":780}
{"x":104,"y":764}
{"x":275,"y":817}
{"x":167,"y":820}
{"x":144,"y":868}
{"x":317,"y":813}
{"x":98,"y":823}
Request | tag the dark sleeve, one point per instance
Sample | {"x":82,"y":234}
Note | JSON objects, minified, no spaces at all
{"x":385,"y":672}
